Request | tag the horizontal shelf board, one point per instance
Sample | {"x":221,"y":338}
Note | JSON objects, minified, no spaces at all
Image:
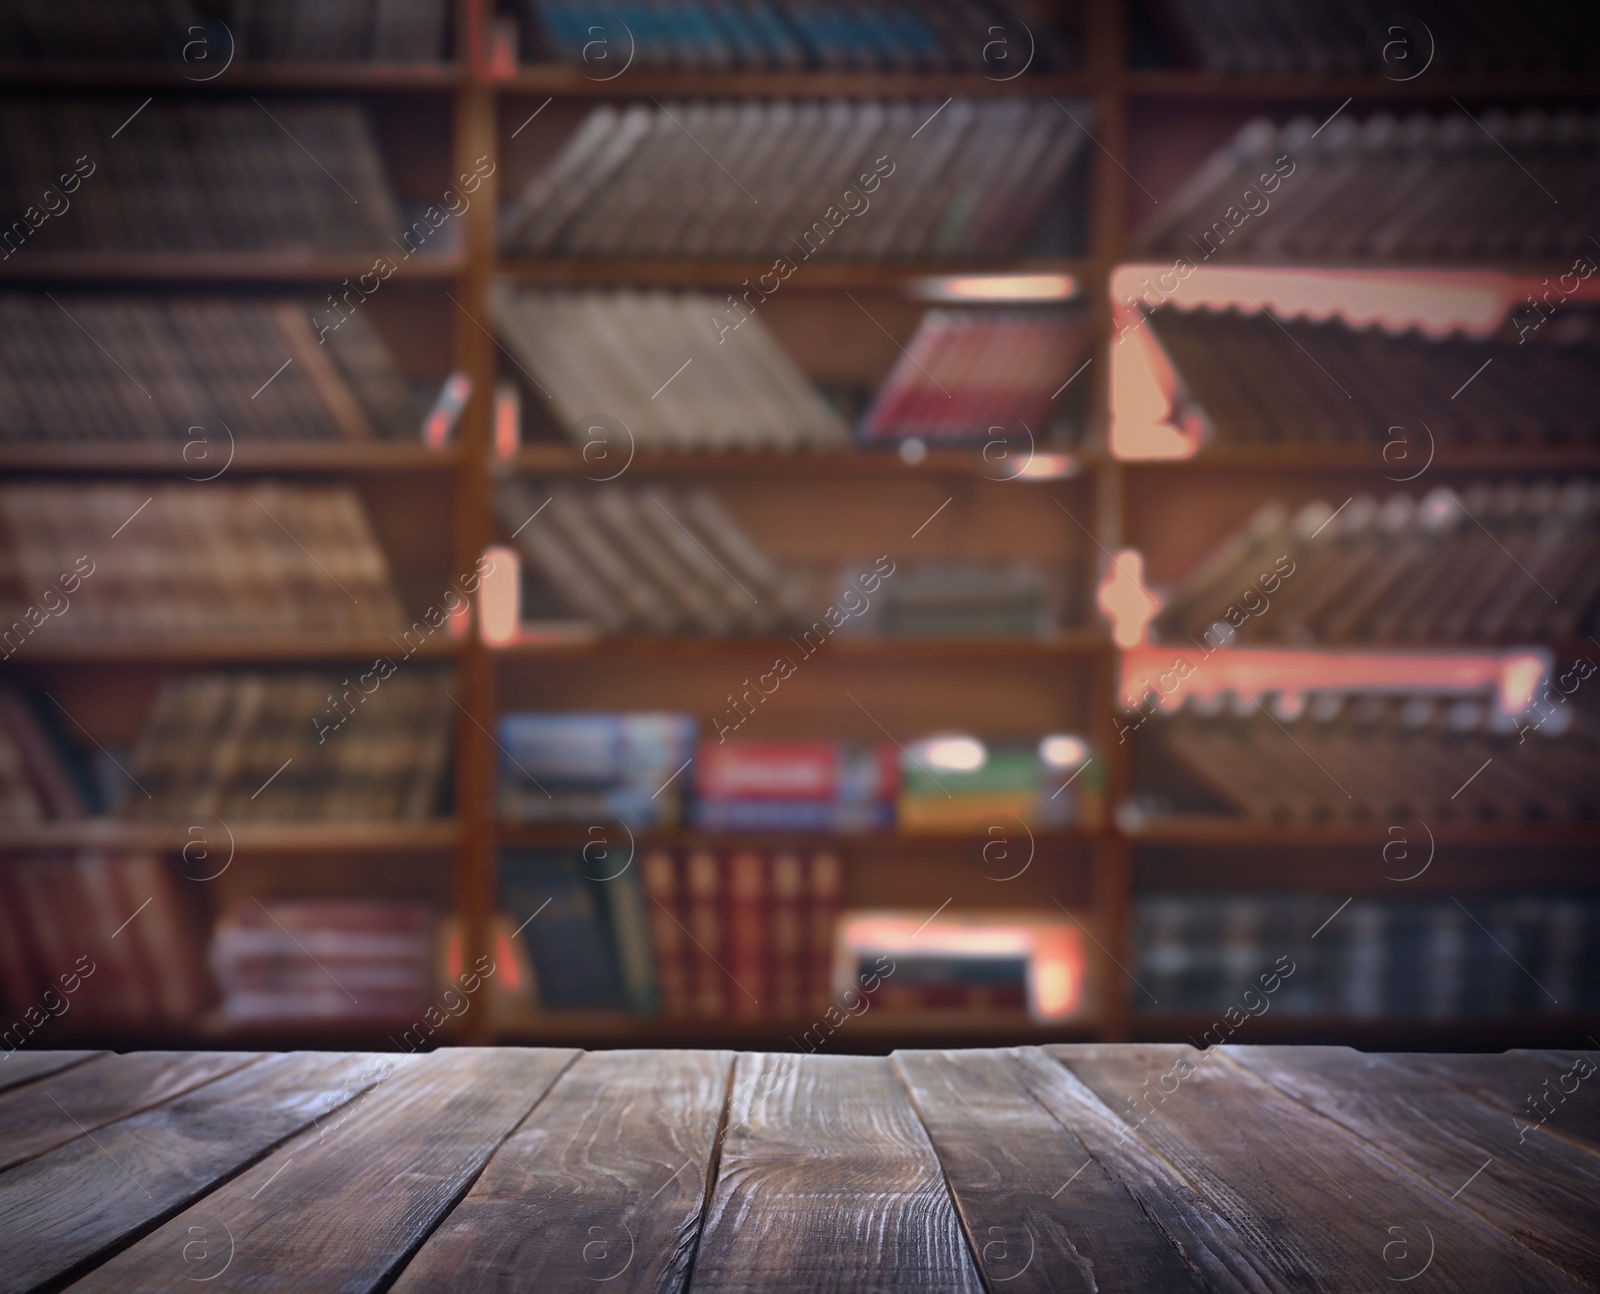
{"x":876,"y":1027}
{"x":248,"y":837}
{"x":819,"y":276}
{"x":239,"y":76}
{"x":202,"y":647}
{"x":572,"y":82}
{"x":1202,"y":830}
{"x":221,"y":267}
{"x":873,"y":842}
{"x":557,"y":459}
{"x":1193,"y":84}
{"x":862,"y":648}
{"x":166,"y":457}
{"x":1322,"y":458}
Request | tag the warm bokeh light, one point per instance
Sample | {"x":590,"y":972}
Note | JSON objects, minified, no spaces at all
{"x":1124,"y":599}
{"x":500,"y":597}
{"x":997,"y":287}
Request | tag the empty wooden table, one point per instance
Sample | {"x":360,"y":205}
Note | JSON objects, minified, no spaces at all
{"x":1097,"y":1168}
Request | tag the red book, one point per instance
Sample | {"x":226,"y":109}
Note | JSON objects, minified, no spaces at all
{"x":747,"y":934}
{"x":126,"y":993}
{"x":768,"y":770}
{"x":825,"y":880}
{"x":788,"y":938}
{"x":703,"y":881}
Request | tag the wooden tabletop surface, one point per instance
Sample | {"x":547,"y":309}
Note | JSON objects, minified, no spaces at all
{"x":1096,"y":1168}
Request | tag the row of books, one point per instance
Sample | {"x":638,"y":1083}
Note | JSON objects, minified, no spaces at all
{"x":991,"y":377}
{"x":223,"y":175}
{"x":837,"y":180}
{"x":199,"y":38}
{"x":1494,"y":563}
{"x":975,"y":599}
{"x":677,"y":370}
{"x":1453,"y":188}
{"x":649,"y":772}
{"x":204,"y":373}
{"x":789,"y":35}
{"x":648,"y":560}
{"x":1244,"y":37}
{"x":303,"y":747}
{"x":1374,"y":759}
{"x":103,"y":939}
{"x":1247,"y":377}
{"x":1403,"y":958}
{"x":42,"y":775}
{"x":136,"y":561}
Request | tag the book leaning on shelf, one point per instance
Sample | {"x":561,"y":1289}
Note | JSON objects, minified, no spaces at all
{"x":1409,"y":959}
{"x":863,"y":180}
{"x":298,"y":747}
{"x":217,"y":175}
{"x":1502,"y":563}
{"x":1247,"y":379}
{"x":161,"y":562}
{"x":677,"y":370}
{"x":200,"y":38}
{"x":1422,"y":188}
{"x":202,"y":367}
{"x":96,"y":939}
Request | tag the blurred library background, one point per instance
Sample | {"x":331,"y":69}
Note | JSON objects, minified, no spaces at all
{"x":799,"y":524}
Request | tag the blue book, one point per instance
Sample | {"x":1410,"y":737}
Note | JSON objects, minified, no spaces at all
{"x":569,"y":940}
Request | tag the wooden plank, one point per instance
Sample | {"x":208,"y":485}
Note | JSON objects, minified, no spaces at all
{"x":42,"y":1116}
{"x":1316,"y":1208}
{"x":1040,"y":1214}
{"x":1533,"y":1086}
{"x":828,"y":1182}
{"x":18,"y":1067}
{"x":79,"y":1202}
{"x":344,"y":1205}
{"x":607,"y":1176}
{"x":1544,"y":1194}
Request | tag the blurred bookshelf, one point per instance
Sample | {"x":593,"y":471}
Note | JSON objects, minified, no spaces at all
{"x":491,"y":83}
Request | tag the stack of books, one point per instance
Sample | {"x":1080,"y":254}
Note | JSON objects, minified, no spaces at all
{"x":104,"y":940}
{"x":1328,"y":37}
{"x":198,"y":176}
{"x":1386,"y":189}
{"x":789,"y":35}
{"x":1377,"y":759}
{"x":1401,"y":958}
{"x":42,"y":776}
{"x":977,"y":599}
{"x":206,"y":374}
{"x":163,"y":561}
{"x":789,"y":182}
{"x":648,"y":561}
{"x":1249,"y":379}
{"x":294,"y":961}
{"x":1494,"y":563}
{"x":296,"y":747}
{"x":980,"y":376}
{"x":199,"y":38}
{"x":957,"y":784}
{"x":677,"y":370}
{"x":595,"y":769}
{"x":794,"y":786}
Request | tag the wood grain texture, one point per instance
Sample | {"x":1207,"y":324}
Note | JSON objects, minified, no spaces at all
{"x":1316,"y":1208}
{"x":41,"y":1116}
{"x":604,"y":1181}
{"x":344,"y":1204}
{"x":828,"y":1182}
{"x":1543,"y":1194}
{"x":80,"y":1201}
{"x":1040,"y":1214}
{"x":1526,"y":1084}
{"x":18,"y":1067}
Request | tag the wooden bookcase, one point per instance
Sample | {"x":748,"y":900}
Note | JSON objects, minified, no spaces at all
{"x":434,"y":515}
